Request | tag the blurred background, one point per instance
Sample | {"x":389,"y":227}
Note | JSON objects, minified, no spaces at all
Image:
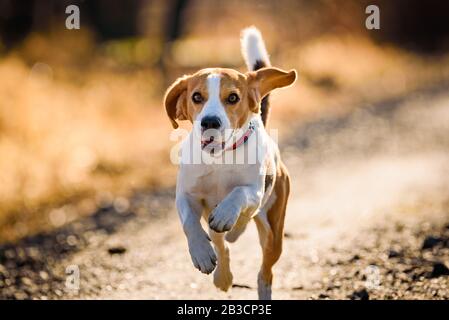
{"x":81,"y":114}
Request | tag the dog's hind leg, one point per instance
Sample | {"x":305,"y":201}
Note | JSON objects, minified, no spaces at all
{"x":270,"y":225}
{"x":222,"y":274}
{"x":239,"y":228}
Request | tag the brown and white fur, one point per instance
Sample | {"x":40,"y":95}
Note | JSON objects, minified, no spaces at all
{"x":228,"y":196}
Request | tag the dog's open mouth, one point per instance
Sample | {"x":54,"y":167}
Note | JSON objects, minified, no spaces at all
{"x":212,"y":144}
{"x":205,"y":141}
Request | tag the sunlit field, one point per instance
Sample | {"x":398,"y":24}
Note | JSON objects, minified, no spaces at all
{"x":81,"y":122}
{"x":86,"y":179}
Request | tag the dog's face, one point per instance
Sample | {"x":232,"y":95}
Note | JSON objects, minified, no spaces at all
{"x":216,"y":100}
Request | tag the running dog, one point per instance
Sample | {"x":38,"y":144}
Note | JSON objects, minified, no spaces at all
{"x":238,"y":175}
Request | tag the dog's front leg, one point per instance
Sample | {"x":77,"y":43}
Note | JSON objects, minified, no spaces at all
{"x":244,"y":199}
{"x":201,"y":251}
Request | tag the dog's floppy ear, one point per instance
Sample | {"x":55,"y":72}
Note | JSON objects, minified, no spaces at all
{"x":175,"y":101}
{"x":270,"y":78}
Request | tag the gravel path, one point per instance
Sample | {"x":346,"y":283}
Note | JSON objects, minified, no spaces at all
{"x":368,"y":219}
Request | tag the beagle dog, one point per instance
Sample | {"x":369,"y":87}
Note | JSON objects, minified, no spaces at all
{"x":230,"y":170}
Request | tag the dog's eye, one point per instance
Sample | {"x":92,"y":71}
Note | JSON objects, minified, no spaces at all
{"x":233,"y":98}
{"x":197,"y":97}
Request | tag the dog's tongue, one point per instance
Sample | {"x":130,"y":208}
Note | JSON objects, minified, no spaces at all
{"x":205,"y":142}
{"x":207,"y":139}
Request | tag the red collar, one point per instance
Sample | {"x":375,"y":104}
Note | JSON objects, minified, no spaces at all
{"x":242,"y":139}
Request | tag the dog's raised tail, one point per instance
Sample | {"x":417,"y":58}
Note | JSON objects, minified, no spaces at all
{"x":256,"y":57}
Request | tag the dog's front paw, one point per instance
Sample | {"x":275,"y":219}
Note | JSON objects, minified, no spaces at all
{"x":202,"y":254}
{"x":223,"y":217}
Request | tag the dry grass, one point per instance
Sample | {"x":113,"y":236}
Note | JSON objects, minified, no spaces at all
{"x":76,"y":125}
{"x":66,"y":139}
{"x":338,"y":73}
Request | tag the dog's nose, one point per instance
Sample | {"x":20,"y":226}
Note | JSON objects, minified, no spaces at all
{"x":210,"y":122}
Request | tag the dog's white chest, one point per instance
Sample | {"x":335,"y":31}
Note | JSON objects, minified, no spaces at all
{"x":213,"y":182}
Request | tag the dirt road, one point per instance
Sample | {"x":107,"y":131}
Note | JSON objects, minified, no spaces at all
{"x":368,"y":218}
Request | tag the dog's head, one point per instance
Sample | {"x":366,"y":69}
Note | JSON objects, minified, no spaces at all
{"x":216,"y":100}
